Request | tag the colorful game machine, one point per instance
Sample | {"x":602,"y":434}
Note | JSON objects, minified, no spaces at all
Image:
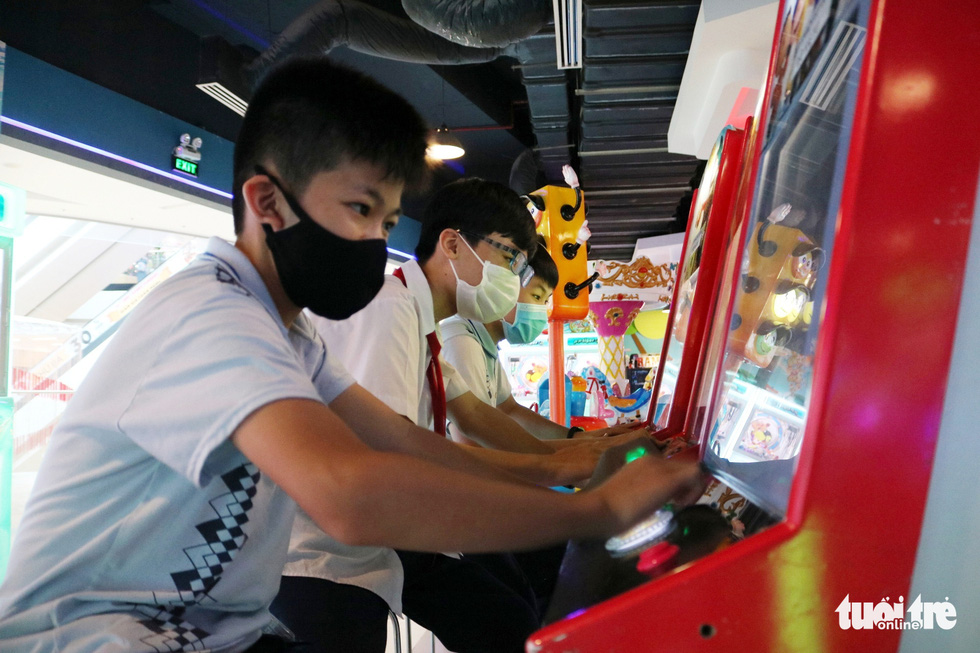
{"x":709,"y":231}
{"x":527,"y":367}
{"x":826,"y":382}
{"x":619,"y":293}
{"x":611,"y":318}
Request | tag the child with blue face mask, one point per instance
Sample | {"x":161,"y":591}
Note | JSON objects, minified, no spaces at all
{"x":530,"y":317}
{"x":471,"y":348}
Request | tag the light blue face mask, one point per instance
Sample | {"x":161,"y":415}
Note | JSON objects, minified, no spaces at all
{"x":529,"y":321}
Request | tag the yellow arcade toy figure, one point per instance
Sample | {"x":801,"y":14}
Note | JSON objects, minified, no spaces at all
{"x":774,"y":305}
{"x":563,"y":225}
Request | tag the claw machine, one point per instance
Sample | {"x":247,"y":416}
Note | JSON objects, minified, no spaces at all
{"x":825,"y":384}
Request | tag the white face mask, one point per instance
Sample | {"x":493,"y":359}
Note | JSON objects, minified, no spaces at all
{"x":492,"y":298}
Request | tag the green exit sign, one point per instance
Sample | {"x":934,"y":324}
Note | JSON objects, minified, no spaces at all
{"x":185,"y":166}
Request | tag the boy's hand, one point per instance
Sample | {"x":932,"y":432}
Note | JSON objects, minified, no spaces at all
{"x":574,"y":464}
{"x":589,"y":458}
{"x":643,"y":486}
{"x":619,"y":451}
{"x":597,"y":457}
{"x":578,"y":462}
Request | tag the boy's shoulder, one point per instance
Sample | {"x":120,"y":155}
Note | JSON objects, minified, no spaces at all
{"x":213,"y":284}
{"x":394,"y":288}
{"x":456,"y":326}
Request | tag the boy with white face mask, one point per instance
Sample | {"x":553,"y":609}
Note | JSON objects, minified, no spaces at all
{"x":472,"y":259}
{"x":472,"y":255}
{"x":471,"y":348}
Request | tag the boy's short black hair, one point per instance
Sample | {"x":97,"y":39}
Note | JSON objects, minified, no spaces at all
{"x":475,"y":207}
{"x":309,"y":115}
{"x":543,"y":265}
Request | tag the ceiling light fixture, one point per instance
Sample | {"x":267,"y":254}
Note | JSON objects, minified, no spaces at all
{"x":444,"y":145}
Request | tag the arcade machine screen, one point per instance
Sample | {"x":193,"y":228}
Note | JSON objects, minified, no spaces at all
{"x":687,"y":280}
{"x":755,"y":390}
{"x":762,"y":400}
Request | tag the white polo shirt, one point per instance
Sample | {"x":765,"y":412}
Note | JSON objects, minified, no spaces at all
{"x":384,"y":347}
{"x":147,"y":529}
{"x":469,"y":348}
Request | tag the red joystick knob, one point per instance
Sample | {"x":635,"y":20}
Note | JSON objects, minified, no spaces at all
{"x":655,"y":556}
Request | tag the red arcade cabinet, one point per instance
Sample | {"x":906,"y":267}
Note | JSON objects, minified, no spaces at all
{"x":825,"y":374}
{"x":708,"y":234}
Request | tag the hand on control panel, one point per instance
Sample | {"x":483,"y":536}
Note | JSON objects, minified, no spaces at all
{"x":616,"y":429}
{"x":646,"y":483}
{"x":588,"y":457}
{"x":616,"y":452}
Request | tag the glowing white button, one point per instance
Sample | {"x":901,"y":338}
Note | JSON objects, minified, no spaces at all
{"x":650,"y":530}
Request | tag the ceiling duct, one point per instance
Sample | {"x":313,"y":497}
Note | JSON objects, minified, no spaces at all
{"x":361,"y":27}
{"x":433,"y":40}
{"x":478,"y":23}
{"x":220,"y":74}
{"x":548,"y":105}
{"x":332,"y":23}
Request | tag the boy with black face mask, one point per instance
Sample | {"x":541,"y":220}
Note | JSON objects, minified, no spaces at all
{"x":161,"y":513}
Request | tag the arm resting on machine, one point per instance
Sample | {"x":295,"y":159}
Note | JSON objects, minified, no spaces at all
{"x":383,"y":429}
{"x":338,"y":480}
{"x":544,"y":429}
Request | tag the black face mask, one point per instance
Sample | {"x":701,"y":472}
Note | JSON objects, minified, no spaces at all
{"x":332,"y":276}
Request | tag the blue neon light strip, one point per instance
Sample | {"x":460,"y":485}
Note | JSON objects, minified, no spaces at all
{"x":400,"y":253}
{"x":114,"y":157}
{"x":230,"y":23}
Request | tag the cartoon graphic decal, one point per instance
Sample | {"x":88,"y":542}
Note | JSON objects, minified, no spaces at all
{"x":762,"y":437}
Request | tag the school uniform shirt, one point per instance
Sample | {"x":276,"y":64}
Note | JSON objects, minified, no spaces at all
{"x":470,"y":349}
{"x":147,"y":529}
{"x":384,"y":348}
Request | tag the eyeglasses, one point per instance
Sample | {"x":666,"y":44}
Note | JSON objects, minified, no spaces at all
{"x":518,"y":264}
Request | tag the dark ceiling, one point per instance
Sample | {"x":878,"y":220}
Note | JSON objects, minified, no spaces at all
{"x":608,"y":119}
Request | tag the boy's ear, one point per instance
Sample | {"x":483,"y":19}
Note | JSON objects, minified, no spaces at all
{"x":262,"y":201}
{"x":449,"y":243}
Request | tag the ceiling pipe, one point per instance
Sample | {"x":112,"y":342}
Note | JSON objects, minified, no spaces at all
{"x":478,"y":23}
{"x":332,"y":23}
{"x":446,"y":32}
